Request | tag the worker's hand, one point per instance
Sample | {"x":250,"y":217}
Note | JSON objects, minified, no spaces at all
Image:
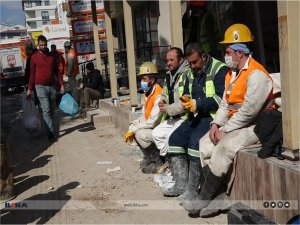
{"x":162,"y":106}
{"x":129,"y":136}
{"x":185,"y":98}
{"x":29,"y":95}
{"x":220,"y":135}
{"x":213,"y":133}
{"x":62,"y":89}
{"x":189,"y":105}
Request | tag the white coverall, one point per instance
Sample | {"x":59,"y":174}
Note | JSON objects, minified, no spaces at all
{"x":239,"y":133}
{"x":163,"y":131}
{"x":142,"y":128}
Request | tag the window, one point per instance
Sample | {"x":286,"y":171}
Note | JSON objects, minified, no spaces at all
{"x":28,"y":4}
{"x":45,"y":15}
{"x":45,"y":22}
{"x":47,"y":2}
{"x":38,"y":3}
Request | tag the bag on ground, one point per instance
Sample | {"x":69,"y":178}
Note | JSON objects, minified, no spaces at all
{"x":32,"y":118}
{"x":68,"y":105}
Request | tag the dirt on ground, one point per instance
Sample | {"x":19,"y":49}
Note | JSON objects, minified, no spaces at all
{"x":68,"y":182}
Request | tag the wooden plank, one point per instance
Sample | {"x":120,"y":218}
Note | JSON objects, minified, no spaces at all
{"x":257,"y":169}
{"x":268,"y":188}
{"x":280,"y":193}
{"x":293,"y":194}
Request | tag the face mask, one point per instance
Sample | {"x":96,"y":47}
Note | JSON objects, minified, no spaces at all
{"x":144,"y":86}
{"x":229,"y":62}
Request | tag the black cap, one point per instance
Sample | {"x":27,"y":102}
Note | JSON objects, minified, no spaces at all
{"x":89,"y":66}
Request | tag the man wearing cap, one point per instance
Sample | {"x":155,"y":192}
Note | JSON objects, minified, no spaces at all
{"x":91,"y":89}
{"x":248,"y":91}
{"x":71,"y":69}
{"x":140,"y":129}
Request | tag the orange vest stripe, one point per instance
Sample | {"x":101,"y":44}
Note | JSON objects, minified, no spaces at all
{"x":149,"y":102}
{"x":238,"y":91}
{"x":75,"y":69}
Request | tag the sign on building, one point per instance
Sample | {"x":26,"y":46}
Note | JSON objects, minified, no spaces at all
{"x":87,"y":46}
{"x":56,"y":31}
{"x":84,"y":6}
{"x":35,"y":35}
{"x":85,"y":25}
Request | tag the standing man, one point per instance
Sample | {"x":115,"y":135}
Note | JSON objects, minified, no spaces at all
{"x":141,"y":128}
{"x":178,"y":82}
{"x":207,"y":91}
{"x":42,"y":76}
{"x":248,"y":91}
{"x":72,"y":69}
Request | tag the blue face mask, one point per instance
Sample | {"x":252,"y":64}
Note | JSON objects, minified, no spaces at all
{"x":144,"y":86}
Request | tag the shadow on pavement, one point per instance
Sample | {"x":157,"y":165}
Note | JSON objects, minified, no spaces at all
{"x":81,"y":127}
{"x":29,"y":183}
{"x":26,"y":215}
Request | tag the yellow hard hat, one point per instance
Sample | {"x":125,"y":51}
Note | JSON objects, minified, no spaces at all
{"x":148,"y":68}
{"x":237,"y":33}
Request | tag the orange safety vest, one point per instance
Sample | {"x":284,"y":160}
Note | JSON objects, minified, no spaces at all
{"x":75,"y":69}
{"x":149,"y":101}
{"x":237,"y":90}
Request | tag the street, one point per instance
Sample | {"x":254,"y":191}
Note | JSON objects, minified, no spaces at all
{"x":77,"y":179}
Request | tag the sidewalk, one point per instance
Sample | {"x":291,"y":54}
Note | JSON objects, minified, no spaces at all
{"x":65,"y":183}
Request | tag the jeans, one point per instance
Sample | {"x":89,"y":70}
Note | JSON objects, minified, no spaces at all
{"x":46,"y":96}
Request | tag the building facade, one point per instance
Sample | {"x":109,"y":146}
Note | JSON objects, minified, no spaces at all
{"x":38,"y":13}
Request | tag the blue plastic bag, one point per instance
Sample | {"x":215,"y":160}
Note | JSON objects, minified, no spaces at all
{"x":68,"y":105}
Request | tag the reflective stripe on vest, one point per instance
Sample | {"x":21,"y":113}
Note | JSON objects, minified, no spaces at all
{"x":185,"y":74}
{"x":210,"y":90}
{"x":75,"y":69}
{"x":150,"y":100}
{"x":236,"y":91}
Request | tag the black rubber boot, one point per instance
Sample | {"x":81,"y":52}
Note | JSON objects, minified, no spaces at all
{"x":191,"y":190}
{"x":207,"y":193}
{"x":146,"y":159}
{"x":180,"y":170}
{"x":153,"y":163}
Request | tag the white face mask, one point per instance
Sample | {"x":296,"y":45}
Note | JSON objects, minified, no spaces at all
{"x":229,"y":62}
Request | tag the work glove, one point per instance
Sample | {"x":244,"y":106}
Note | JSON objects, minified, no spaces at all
{"x":185,"y":98}
{"x":129,"y":136}
{"x":189,"y":104}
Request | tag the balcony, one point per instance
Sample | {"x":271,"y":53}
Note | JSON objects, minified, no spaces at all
{"x":43,"y":7}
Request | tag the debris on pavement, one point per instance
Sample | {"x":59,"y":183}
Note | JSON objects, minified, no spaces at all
{"x":50,"y":188}
{"x":108,"y":170}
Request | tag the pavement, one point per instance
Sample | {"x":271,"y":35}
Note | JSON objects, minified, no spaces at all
{"x":89,"y":176}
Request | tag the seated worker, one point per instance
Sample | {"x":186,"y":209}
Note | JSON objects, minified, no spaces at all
{"x":179,"y":76}
{"x":207,"y":91}
{"x":92,"y":88}
{"x":141,"y":129}
{"x":248,"y":91}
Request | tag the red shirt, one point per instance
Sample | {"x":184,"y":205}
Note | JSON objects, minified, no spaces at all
{"x":43,"y":68}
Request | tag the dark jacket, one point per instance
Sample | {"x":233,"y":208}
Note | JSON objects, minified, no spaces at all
{"x":94,"y":81}
{"x":205,"y":105}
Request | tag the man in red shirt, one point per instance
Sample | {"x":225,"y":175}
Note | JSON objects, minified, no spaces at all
{"x":43,"y":68}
